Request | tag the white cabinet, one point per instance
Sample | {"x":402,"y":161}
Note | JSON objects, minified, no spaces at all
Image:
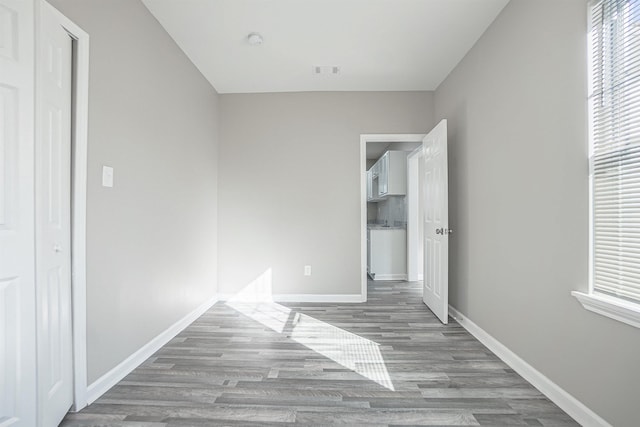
{"x":388,"y":176}
{"x":383,"y":177}
{"x":387,"y":253}
{"x":393,"y":174}
{"x":372,"y":183}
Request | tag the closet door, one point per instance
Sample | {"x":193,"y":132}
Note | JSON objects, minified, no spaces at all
{"x":17,"y":251}
{"x":53,"y":220}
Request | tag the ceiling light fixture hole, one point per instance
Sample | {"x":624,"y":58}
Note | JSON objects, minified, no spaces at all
{"x":255,"y":39}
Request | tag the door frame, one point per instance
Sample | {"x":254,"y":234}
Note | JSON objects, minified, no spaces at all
{"x":364,"y":138}
{"x":414,"y":272}
{"x":79,"y":144}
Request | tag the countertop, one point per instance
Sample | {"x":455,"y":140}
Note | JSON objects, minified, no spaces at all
{"x":386,"y":227}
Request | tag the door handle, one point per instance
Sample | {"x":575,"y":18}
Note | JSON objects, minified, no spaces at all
{"x":444,"y":231}
{"x":57,"y":249}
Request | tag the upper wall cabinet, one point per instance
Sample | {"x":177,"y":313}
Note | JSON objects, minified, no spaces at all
{"x":388,"y":176}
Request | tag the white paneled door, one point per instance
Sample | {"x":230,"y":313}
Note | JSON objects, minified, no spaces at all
{"x":436,"y":222}
{"x":17,"y":289}
{"x":53,"y":221}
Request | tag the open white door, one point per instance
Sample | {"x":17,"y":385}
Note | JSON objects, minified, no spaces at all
{"x":435,"y":293}
{"x":17,"y":288}
{"x":53,"y":221}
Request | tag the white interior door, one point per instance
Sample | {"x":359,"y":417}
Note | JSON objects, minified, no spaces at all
{"x":17,"y":280}
{"x":53,"y":221}
{"x":435,"y":292}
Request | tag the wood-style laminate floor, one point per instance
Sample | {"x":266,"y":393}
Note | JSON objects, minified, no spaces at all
{"x":385,"y":362}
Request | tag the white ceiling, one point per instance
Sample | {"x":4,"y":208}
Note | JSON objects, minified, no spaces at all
{"x":379,"y":45}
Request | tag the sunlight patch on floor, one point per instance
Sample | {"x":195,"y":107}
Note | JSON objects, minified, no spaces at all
{"x":352,"y":351}
{"x":255,"y":301}
{"x":348,"y":349}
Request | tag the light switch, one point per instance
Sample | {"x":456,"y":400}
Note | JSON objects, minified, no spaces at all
{"x":107,"y":176}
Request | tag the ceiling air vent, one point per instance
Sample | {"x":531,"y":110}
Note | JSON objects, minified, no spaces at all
{"x":326,"y":70}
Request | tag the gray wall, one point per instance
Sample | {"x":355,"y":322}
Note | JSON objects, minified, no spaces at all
{"x":290,"y":184}
{"x":519,"y":204}
{"x":151,"y":240}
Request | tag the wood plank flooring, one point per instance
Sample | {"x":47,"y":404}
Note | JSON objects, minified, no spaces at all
{"x":387,"y":362}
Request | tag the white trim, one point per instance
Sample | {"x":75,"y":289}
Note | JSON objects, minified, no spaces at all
{"x":364,"y":138}
{"x":383,"y":277}
{"x":414,"y":273}
{"x":79,"y":200}
{"x":590,"y":131}
{"x":111,"y":378}
{"x":355,"y":298}
{"x":336,"y":298}
{"x":615,"y":308}
{"x":554,"y":392}
{"x":363,"y":217}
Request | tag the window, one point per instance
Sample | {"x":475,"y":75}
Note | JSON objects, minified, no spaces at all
{"x":614,"y":115}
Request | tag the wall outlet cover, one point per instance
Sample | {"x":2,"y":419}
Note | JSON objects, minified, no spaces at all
{"x":107,"y":176}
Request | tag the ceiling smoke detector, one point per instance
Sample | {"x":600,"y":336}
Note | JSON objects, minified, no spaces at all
{"x":326,"y":69}
{"x":255,"y":39}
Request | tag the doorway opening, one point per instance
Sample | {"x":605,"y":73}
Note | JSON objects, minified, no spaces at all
{"x":421,"y":175}
{"x":389,"y":194}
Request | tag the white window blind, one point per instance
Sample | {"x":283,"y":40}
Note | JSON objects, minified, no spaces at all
{"x":614,"y":103}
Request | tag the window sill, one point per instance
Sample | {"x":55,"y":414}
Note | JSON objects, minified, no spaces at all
{"x":614,"y":308}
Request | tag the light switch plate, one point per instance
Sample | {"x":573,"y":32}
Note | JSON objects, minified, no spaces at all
{"x":107,"y":176}
{"x":307,"y":270}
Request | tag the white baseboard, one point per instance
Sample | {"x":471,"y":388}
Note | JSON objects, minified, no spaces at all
{"x":380,"y":277}
{"x":554,"y":392}
{"x":111,"y":378}
{"x":319,"y":298}
{"x":346,"y":298}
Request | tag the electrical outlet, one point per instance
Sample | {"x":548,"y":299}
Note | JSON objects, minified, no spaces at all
{"x":307,"y":270}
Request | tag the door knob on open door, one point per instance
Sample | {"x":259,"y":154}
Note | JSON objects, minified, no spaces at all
{"x":444,"y":231}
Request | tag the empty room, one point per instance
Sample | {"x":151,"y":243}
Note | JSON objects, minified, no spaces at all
{"x":319,"y":212}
